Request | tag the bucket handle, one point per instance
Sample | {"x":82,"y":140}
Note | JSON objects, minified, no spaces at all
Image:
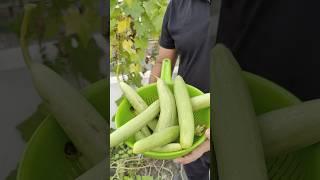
{"x":166,"y":71}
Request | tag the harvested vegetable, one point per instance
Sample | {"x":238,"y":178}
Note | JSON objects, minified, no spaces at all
{"x":134,"y":125}
{"x":236,"y":133}
{"x":136,"y":102}
{"x":139,"y":135}
{"x":200,"y":102}
{"x":168,"y":148}
{"x":157,"y":139}
{"x":291,"y":128}
{"x":168,"y":113}
{"x":185,"y":113}
{"x":77,"y":117}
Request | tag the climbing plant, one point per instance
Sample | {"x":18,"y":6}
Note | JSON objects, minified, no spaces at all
{"x":134,"y":25}
{"x":72,"y":26}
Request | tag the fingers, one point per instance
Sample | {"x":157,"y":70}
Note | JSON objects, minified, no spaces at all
{"x":207,"y":133}
{"x":197,"y":153}
{"x":189,"y":158}
{"x":194,"y":155}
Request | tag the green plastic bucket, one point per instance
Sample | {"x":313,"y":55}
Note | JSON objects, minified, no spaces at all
{"x":44,"y":157}
{"x":268,"y":96}
{"x":149,"y":94}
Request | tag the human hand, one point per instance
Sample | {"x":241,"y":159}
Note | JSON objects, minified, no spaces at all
{"x":197,"y":153}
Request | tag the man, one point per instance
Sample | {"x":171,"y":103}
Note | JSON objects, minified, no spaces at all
{"x":278,"y":40}
{"x":185,"y":33}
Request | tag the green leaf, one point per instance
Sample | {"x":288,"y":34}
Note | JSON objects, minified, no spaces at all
{"x":53,"y":25}
{"x":74,"y":25}
{"x":128,"y":2}
{"x":113,"y":4}
{"x":147,"y":24}
{"x":141,"y":55}
{"x":135,"y":79}
{"x":113,"y":24}
{"x":85,"y":60}
{"x":157,"y":22}
{"x":141,"y":43}
{"x":135,"y":8}
{"x":84,"y":25}
{"x":124,"y":25}
{"x":140,"y":29}
{"x":138,"y":57}
{"x":151,"y":8}
{"x":163,"y":3}
{"x":115,"y":13}
{"x":127,"y":45}
{"x":135,"y":68}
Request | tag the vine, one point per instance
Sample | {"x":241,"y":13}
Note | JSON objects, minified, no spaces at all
{"x":135,"y":26}
{"x":71,"y":26}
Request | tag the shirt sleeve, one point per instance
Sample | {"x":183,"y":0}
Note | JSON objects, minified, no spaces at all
{"x":166,"y":39}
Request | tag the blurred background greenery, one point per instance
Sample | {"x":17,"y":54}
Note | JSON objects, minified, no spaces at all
{"x":69,"y":36}
{"x":74,"y":27}
{"x":79,"y":39}
{"x":135,"y":27}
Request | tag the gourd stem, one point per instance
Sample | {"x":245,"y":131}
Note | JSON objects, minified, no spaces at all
{"x":23,"y":34}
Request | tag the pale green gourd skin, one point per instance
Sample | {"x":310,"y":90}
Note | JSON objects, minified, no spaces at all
{"x":153,"y":124}
{"x":134,"y":125}
{"x":168,"y":148}
{"x":185,"y":113}
{"x":157,"y":139}
{"x":168,"y":112}
{"x":236,"y":132}
{"x":197,"y":102}
{"x":136,"y":101}
{"x":139,"y":135}
{"x":132,"y":96}
{"x":291,"y":128}
{"x":77,"y":117}
{"x":174,"y":115}
{"x":145,"y":130}
{"x":200,"y":102}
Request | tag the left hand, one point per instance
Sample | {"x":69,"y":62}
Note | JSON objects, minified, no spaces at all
{"x":197,"y":153}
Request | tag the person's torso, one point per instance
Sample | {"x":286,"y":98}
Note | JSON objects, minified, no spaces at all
{"x":188,"y":25}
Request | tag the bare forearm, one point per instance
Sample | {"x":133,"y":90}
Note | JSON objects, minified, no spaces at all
{"x":156,"y":70}
{"x":163,"y":53}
